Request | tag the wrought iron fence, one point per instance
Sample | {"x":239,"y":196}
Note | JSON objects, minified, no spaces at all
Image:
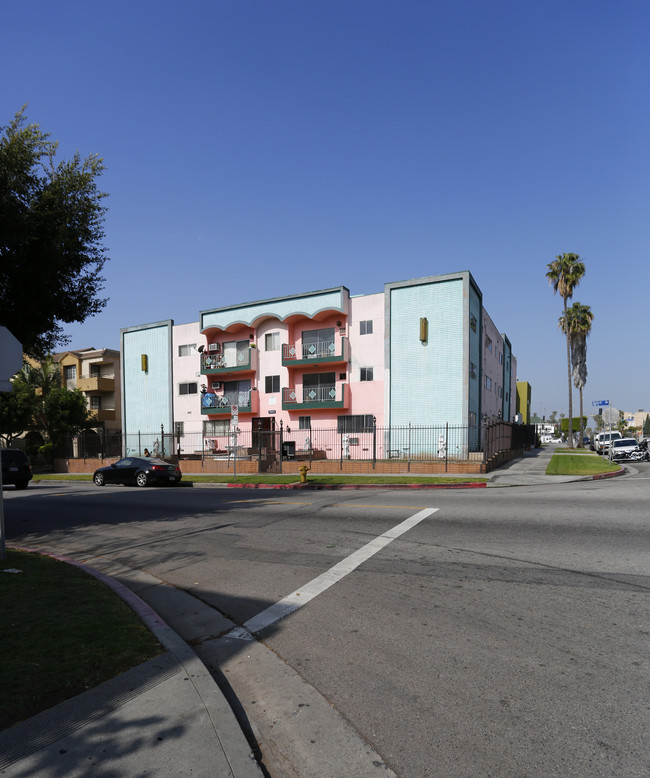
{"x":219,"y":440}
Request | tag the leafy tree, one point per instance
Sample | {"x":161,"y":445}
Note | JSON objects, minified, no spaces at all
{"x":576,"y":323}
{"x":43,"y":377}
{"x":65,"y":413}
{"x":51,"y":232}
{"x":646,"y":425}
{"x":17,"y":411}
{"x":564,"y":274}
{"x":553,"y":417}
{"x":576,"y":424}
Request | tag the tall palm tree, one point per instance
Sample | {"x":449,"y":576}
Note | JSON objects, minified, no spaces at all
{"x":564,"y":274}
{"x":576,"y":324}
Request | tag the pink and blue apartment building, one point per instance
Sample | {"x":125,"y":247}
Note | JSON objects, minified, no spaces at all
{"x":421,"y":352}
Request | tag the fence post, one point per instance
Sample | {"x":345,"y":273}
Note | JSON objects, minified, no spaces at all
{"x":374,"y":441}
{"x":446,"y":447}
{"x":409,"y":441}
{"x":162,"y":441}
{"x":341,"y":460}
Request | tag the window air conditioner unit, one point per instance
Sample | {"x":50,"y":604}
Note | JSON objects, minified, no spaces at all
{"x":213,"y":347}
{"x":216,"y":384}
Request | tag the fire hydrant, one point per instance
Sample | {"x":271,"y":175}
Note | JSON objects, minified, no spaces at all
{"x":303,"y":473}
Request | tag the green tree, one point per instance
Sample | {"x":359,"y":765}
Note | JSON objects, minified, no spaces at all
{"x":65,"y":413}
{"x":646,"y":424}
{"x":564,"y":274}
{"x":17,"y":410}
{"x":43,"y":377}
{"x":553,"y":417}
{"x":51,"y":232}
{"x":576,"y":324}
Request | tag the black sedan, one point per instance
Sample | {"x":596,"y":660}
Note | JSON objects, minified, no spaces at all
{"x":141,"y":471}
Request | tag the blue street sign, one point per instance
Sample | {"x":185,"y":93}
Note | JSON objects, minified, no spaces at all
{"x":600,"y":402}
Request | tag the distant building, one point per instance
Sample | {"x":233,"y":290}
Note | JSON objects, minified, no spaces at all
{"x":523,"y":401}
{"x":96,"y":373}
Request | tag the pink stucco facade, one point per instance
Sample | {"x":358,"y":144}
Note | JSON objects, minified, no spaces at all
{"x":299,"y":361}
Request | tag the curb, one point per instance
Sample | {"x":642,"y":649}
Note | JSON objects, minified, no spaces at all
{"x":236,"y":748}
{"x":317,"y":487}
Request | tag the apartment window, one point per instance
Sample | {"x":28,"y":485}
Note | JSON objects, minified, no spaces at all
{"x":304,"y":422}
{"x":272,"y":384}
{"x":318,"y":343}
{"x":96,"y":403}
{"x":187,"y":350}
{"x":70,"y":372}
{"x":488,"y":383}
{"x":189,"y":388}
{"x":366,"y":374}
{"x":500,"y":358}
{"x":488,"y":343}
{"x":365,"y":327}
{"x":318,"y":387}
{"x":346,"y":424}
{"x":272,"y":341}
{"x":218,"y":427}
{"x":95,"y":371}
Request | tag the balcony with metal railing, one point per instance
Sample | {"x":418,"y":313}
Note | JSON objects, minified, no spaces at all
{"x":312,"y":398}
{"x":224,"y":363}
{"x":313,"y":354}
{"x":222,"y":404}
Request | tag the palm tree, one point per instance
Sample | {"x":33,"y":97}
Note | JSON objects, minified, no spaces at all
{"x":564,"y":274}
{"x":576,"y":324}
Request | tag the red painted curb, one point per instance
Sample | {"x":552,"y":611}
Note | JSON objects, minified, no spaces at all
{"x":600,"y":476}
{"x":316,"y":486}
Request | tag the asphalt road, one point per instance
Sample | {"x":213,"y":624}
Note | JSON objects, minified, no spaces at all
{"x":503,"y":633}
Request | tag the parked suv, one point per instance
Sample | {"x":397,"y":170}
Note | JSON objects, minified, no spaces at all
{"x":603,"y":441}
{"x":16,"y":469}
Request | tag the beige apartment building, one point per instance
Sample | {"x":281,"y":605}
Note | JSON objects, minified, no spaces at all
{"x":96,"y":373}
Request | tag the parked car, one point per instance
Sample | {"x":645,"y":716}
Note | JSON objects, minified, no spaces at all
{"x":16,"y":469}
{"x":141,"y":471}
{"x":623,"y":447}
{"x":603,"y":440}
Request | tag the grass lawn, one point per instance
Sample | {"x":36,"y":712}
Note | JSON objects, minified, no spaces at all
{"x":63,"y":632}
{"x":579,"y":464}
{"x":289,"y":479}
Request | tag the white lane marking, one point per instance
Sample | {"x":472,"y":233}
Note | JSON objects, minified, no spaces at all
{"x":302,"y":596}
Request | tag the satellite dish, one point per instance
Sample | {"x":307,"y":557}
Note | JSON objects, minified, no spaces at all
{"x":200,"y":349}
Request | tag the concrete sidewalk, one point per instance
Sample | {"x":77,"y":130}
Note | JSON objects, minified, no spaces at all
{"x":165,"y":717}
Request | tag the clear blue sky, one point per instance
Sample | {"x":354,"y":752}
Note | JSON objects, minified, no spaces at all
{"x":258,"y":149}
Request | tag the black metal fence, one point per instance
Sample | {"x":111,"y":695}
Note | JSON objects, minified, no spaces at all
{"x":407,"y":444}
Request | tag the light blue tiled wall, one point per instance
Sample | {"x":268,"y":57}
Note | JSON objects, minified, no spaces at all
{"x":475,"y":352}
{"x":147,"y":396}
{"x":508,"y":404}
{"x":427,"y":379}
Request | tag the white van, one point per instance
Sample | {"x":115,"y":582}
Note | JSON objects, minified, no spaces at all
{"x":603,"y":441}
